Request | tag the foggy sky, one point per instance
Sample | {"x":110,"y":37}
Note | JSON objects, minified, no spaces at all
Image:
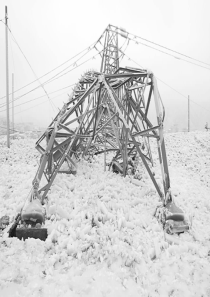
{"x":50,"y":32}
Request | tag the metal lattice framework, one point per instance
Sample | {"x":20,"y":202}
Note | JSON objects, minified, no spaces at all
{"x":110,"y":109}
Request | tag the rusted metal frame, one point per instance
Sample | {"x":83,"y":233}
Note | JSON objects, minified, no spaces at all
{"x":64,"y":155}
{"x":149,"y":99}
{"x":160,"y":141}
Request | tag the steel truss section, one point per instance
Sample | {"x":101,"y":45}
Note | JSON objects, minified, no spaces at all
{"x":111,"y":115}
{"x":110,"y":110}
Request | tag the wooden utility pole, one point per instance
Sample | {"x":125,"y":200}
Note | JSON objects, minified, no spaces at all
{"x":7,"y":77}
{"x":13,"y":122}
{"x":188,"y":113}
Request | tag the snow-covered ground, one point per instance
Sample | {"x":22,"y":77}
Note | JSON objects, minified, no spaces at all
{"x":103,"y":239}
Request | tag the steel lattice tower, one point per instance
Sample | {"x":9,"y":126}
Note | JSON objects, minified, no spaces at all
{"x":111,"y":109}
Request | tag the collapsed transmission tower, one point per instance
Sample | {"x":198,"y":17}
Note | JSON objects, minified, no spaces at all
{"x":111,"y":110}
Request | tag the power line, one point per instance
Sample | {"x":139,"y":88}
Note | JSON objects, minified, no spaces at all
{"x":136,"y":36}
{"x":93,"y":57}
{"x":52,"y":78}
{"x":87,"y":48}
{"x":39,"y":103}
{"x":168,"y":85}
{"x":75,"y":66}
{"x":41,"y":97}
{"x":199,"y":105}
{"x":10,"y":129}
{"x":41,"y":85}
{"x":172,"y":88}
{"x":178,"y":58}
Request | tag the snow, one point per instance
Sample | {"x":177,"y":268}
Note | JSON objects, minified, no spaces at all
{"x":102,"y":237}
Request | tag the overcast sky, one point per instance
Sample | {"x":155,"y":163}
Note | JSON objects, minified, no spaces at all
{"x":49,"y":32}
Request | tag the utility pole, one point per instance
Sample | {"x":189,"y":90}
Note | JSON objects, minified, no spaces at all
{"x":188,"y":113}
{"x":13,"y":122}
{"x":7,"y":77}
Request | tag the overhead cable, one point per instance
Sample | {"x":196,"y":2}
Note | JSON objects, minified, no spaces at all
{"x":41,"y":97}
{"x":168,"y":85}
{"x":86,"y":49}
{"x":136,"y":36}
{"x":41,"y":85}
{"x":52,"y":78}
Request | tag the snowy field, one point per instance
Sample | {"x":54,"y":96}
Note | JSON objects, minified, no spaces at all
{"x":103,"y":239}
